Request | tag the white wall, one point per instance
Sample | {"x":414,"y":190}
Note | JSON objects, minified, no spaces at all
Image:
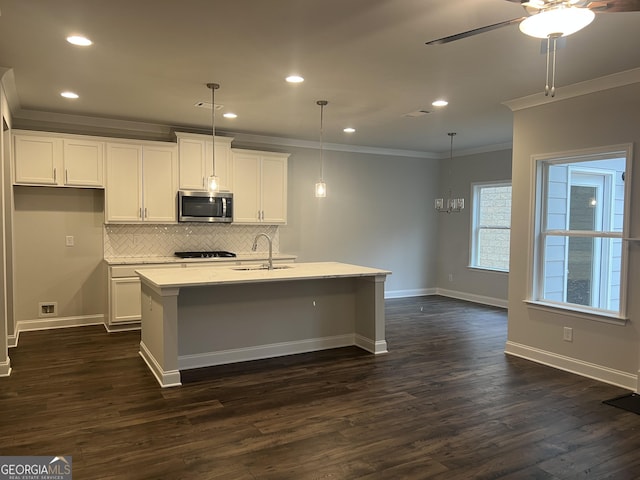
{"x":601,"y":350}
{"x":46,"y":270}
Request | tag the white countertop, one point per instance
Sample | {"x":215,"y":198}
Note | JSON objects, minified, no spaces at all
{"x":188,"y":277}
{"x":241,"y":257}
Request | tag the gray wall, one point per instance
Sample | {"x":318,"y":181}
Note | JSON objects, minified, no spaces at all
{"x":46,"y":270}
{"x":600,"y":349}
{"x":454,"y":229}
{"x":378,"y":212}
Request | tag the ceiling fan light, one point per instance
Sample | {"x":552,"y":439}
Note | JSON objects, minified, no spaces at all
{"x":561,"y":21}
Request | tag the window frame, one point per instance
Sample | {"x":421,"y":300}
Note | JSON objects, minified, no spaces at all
{"x":476,"y":187}
{"x":538,"y":217}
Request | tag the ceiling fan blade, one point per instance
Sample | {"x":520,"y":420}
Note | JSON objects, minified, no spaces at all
{"x":614,"y":6}
{"x":475,"y":31}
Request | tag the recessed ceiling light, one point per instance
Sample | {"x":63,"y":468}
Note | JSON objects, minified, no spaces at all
{"x":79,"y":40}
{"x":349,"y":130}
{"x":294,"y":79}
{"x":70,"y":95}
{"x":229,"y":115}
{"x":440,"y":103}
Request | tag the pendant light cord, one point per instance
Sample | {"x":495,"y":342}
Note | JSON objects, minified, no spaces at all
{"x":322,"y":104}
{"x":213,"y":87}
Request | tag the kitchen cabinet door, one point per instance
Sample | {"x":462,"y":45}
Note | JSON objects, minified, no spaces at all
{"x":259,"y":187}
{"x":54,"y":159}
{"x":196,"y":163}
{"x":83,"y":163}
{"x":246,"y":187}
{"x":125,"y":300}
{"x":37,"y":159}
{"x":274,"y":189}
{"x":159,"y":184}
{"x":124,"y":183}
{"x":223,"y":161}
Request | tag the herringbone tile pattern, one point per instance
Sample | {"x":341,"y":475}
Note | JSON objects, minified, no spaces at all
{"x":164,"y":240}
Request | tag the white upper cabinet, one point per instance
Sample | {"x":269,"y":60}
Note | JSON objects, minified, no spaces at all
{"x":196,"y":160}
{"x":259,"y":186}
{"x":57,"y":160}
{"x":141,"y":183}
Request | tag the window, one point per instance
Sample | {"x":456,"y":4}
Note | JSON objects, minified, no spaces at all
{"x":491,"y":224}
{"x":579,"y":233}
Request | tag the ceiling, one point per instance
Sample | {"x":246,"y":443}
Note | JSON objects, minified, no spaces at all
{"x":151,"y":60}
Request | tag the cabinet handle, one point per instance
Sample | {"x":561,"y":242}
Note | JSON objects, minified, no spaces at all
{"x":258,"y":214}
{"x":145,"y":213}
{"x":54,"y":175}
{"x":140,"y":213}
{"x":203,"y":184}
{"x":66,"y":176}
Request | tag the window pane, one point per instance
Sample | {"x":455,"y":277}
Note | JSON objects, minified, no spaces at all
{"x":493,"y":248}
{"x":491,"y":224}
{"x":583,"y":271}
{"x":579,"y":247}
{"x":495,"y":206}
{"x":593,"y":188}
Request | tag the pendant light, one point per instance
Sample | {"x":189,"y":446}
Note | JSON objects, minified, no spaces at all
{"x":321,"y":187}
{"x":213,"y":182}
{"x":451,"y":205}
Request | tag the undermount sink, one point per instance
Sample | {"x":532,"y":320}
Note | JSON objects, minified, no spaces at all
{"x":261,"y":267}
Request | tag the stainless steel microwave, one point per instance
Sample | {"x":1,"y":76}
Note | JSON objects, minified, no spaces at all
{"x":195,"y":206}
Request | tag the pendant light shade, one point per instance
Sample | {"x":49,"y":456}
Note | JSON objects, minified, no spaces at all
{"x":560,"y":21}
{"x":213,"y":182}
{"x":321,"y":187}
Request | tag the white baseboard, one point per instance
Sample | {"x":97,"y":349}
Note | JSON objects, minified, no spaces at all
{"x":51,"y":323}
{"x":369,"y":345}
{"x":125,"y":327}
{"x":420,"y":292}
{"x":186,"y":362}
{"x":471,"y":297}
{"x":5,"y":368}
{"x":58,"y":322}
{"x":165,"y":379}
{"x":573,"y":365}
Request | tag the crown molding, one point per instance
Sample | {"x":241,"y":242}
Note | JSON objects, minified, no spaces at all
{"x":587,"y":87}
{"x":99,"y":126}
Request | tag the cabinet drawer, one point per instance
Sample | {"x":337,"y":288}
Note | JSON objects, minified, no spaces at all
{"x":122,"y":271}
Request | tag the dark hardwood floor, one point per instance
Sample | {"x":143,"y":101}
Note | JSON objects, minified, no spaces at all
{"x":444,"y":403}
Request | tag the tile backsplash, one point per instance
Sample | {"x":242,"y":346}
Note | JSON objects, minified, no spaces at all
{"x":163,"y":240}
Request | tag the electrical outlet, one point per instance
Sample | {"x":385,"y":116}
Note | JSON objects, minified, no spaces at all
{"x":451,"y":277}
{"x":47,"y":309}
{"x":69,"y":241}
{"x":567,"y":334}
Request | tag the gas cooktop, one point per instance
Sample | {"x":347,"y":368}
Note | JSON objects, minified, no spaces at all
{"x":213,"y":254}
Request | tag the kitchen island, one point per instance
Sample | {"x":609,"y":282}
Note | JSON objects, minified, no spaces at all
{"x":198,"y":317}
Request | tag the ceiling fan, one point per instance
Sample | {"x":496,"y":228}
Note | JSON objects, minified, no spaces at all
{"x":551,"y":19}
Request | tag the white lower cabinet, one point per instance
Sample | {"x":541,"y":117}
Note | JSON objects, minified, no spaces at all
{"x":124,"y":294}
